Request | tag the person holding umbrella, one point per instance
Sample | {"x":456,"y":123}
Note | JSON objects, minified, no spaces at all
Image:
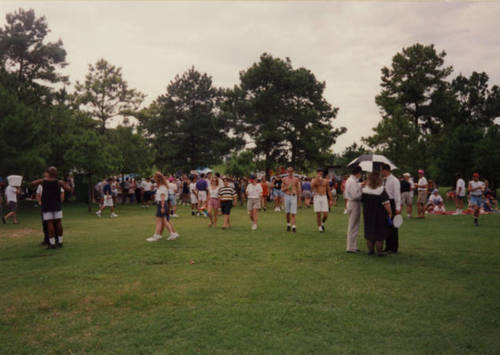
{"x":393,"y":190}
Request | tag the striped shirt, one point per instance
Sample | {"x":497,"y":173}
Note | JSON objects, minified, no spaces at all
{"x":227,"y":193}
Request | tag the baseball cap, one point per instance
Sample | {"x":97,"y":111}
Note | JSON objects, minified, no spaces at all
{"x":406,"y":174}
{"x":420,"y":171}
{"x":252,"y":177}
{"x":475,"y":174}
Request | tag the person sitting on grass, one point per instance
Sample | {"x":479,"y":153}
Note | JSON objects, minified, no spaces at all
{"x":435,"y":204}
{"x":52,"y":206}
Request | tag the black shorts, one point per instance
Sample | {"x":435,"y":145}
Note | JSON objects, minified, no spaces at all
{"x":12,"y":206}
{"x":165,"y":214}
{"x":226,"y":207}
{"x":461,"y":197}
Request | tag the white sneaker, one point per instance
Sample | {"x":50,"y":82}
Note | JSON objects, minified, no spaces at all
{"x":175,"y":215}
{"x":173,"y":236}
{"x":114,"y":215}
{"x":345,"y":211}
{"x":254,"y":227}
{"x":98,"y":213}
{"x":320,"y":229}
{"x":154,"y":238}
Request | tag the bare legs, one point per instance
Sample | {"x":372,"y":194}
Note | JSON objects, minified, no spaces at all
{"x":212,"y":214}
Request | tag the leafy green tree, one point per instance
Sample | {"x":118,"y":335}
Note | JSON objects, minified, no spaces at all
{"x":487,"y":155}
{"x":415,"y":102}
{"x":105,"y":94}
{"x":25,"y":53}
{"x":477,"y":107}
{"x":241,"y":164}
{"x":134,"y":153}
{"x":284,"y":112}
{"x":93,"y":155}
{"x":349,"y":154}
{"x":22,"y":135}
{"x":186,"y":126}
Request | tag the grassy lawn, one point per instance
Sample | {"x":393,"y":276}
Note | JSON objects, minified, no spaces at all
{"x":268,"y":291}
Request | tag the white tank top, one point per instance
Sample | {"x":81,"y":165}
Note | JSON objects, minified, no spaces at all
{"x":214,"y":192}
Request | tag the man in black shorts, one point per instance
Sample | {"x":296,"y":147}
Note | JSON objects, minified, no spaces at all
{"x":52,"y":206}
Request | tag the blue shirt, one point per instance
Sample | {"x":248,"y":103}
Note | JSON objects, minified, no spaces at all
{"x":201,"y":185}
{"x":306,"y":186}
{"x":106,"y":189}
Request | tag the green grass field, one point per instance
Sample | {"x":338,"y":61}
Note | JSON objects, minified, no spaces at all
{"x":265,"y":291}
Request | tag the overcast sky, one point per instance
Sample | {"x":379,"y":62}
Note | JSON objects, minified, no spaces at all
{"x":344,"y":44}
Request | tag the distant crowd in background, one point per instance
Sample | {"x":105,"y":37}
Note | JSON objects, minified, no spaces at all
{"x":379,"y":196}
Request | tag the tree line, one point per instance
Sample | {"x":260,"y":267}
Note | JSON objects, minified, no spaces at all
{"x":276,"y":115}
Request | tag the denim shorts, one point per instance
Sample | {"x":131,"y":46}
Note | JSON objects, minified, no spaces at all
{"x":164,"y":214}
{"x":476,"y":200}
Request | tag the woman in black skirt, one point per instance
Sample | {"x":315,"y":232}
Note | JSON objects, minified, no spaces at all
{"x":376,"y":212}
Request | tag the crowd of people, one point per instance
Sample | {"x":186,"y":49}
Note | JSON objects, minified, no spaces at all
{"x":378,"y":196}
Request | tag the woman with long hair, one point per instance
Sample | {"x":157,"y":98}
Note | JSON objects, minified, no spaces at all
{"x":162,"y":210}
{"x":213,"y":201}
{"x":376,"y":212}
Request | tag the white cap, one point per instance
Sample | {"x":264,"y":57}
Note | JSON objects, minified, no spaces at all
{"x":407,"y":174}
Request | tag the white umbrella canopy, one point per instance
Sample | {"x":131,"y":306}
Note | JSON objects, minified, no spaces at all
{"x":367,"y":161}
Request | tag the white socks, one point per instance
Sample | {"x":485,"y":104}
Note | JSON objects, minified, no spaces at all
{"x":60,"y":240}
{"x":52,"y":241}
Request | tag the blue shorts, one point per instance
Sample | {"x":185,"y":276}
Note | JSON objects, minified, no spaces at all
{"x":278,"y":193}
{"x":476,"y":200}
{"x":171,"y":199}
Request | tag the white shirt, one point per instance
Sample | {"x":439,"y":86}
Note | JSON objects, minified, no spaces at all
{"x":460,"y":189}
{"x":254,"y":191}
{"x":352,"y":190}
{"x":11,"y":193}
{"x":146,"y":186}
{"x":393,"y":189}
{"x":162,"y":190}
{"x":192,"y":188}
{"x":474,"y":184}
{"x":214,"y":192}
{"x":172,"y":188}
{"x":422,"y":181}
{"x":435,"y":200}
